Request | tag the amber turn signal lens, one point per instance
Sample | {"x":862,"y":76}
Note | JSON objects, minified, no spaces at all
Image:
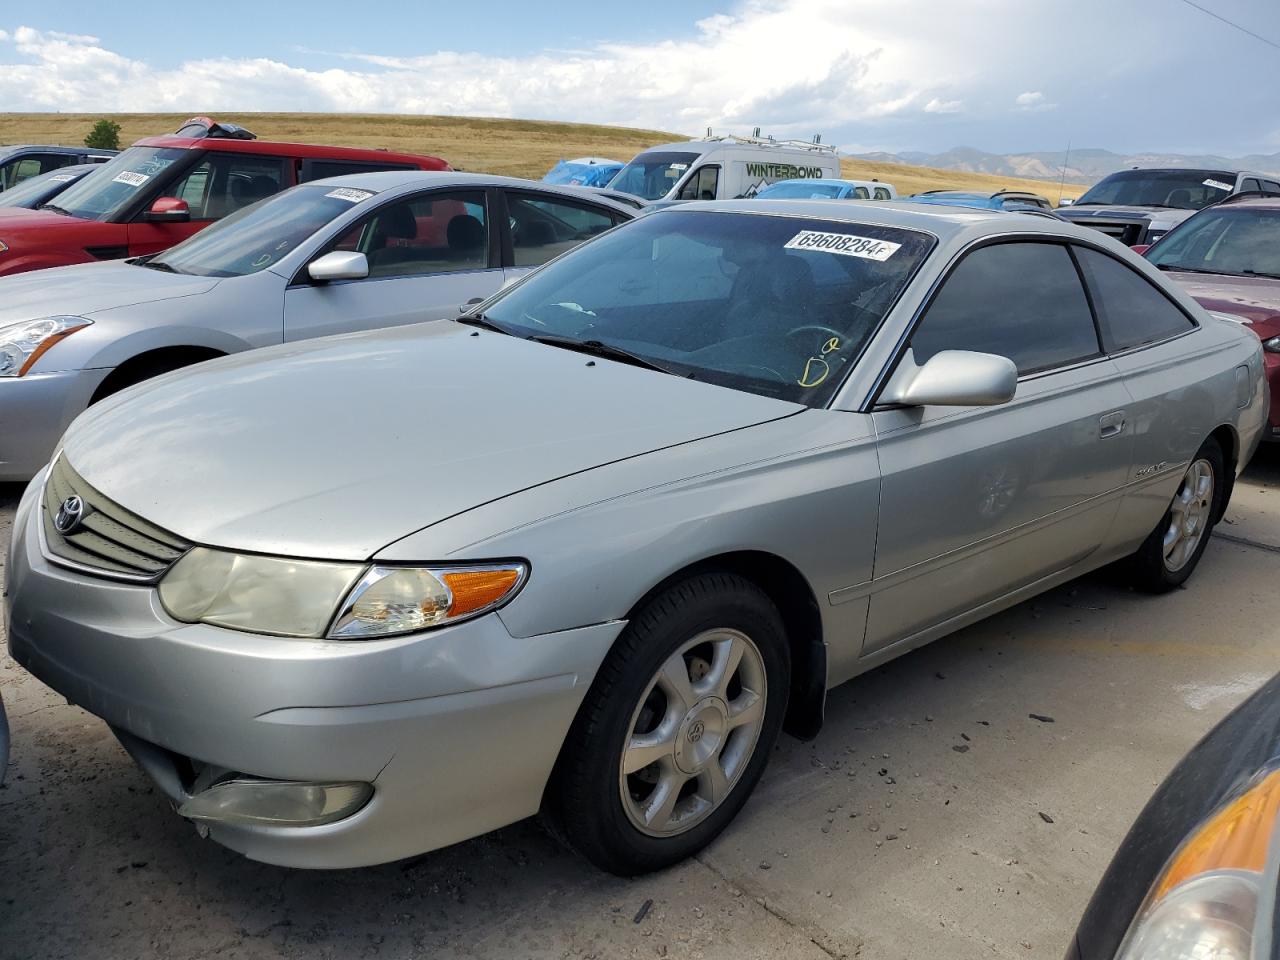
{"x":1237,"y":837}
{"x":476,"y":589}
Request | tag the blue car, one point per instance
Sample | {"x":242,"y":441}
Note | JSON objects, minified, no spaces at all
{"x":43,"y":187}
{"x":1018,"y":200}
{"x":28,"y":160}
{"x":818,"y":189}
{"x":583,"y":172}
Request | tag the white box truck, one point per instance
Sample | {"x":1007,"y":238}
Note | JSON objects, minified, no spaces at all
{"x":722,"y":168}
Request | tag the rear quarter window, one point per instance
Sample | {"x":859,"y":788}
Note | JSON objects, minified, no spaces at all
{"x":1132,"y":312}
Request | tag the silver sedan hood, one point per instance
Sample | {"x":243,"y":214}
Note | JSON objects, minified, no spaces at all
{"x":87,"y":288}
{"x":337,"y":447}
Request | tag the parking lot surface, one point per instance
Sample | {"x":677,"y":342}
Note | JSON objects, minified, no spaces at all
{"x":961,"y":802}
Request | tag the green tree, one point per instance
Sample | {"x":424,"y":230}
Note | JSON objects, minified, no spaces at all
{"x":105,"y":135}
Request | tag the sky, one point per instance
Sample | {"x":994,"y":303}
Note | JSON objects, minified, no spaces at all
{"x":895,"y":75}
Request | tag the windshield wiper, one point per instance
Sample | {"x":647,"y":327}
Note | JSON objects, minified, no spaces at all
{"x":1260,"y":273}
{"x":56,"y":209}
{"x":482,"y":320}
{"x":598,"y":348}
{"x":156,"y":265}
{"x":1183,"y":268}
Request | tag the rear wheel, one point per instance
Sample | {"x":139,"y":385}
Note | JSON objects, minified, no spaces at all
{"x":677,"y":727}
{"x":1170,"y":554}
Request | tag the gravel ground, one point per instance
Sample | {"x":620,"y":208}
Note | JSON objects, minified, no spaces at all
{"x":935,"y":815}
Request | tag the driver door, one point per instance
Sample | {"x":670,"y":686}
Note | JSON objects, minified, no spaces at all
{"x":978,"y":502}
{"x":428,"y":255}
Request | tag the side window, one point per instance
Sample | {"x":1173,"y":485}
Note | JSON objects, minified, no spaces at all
{"x":1131,"y":311}
{"x":222,"y":183}
{"x":1269,"y":186}
{"x":319,"y":169}
{"x":432,"y":233}
{"x":1250,"y":184}
{"x":861,"y":193}
{"x":1023,"y":301}
{"x":703,"y":185}
{"x":883,"y":194}
{"x":542,"y":229}
{"x":16,"y":171}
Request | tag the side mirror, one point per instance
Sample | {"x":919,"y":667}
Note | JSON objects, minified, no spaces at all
{"x":953,"y":378}
{"x":169,"y":210}
{"x":338,"y":265}
{"x":1065,"y":202}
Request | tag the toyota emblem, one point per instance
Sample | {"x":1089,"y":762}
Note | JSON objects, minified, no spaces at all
{"x":70,"y":515}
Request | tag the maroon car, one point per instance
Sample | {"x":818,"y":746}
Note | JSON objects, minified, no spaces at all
{"x":1228,"y":257}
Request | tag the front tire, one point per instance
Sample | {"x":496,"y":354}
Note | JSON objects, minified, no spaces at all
{"x":1170,"y":554}
{"x":677,"y":727}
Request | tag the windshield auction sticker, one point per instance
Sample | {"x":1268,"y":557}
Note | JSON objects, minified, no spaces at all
{"x":350,"y":194}
{"x":132,"y":179}
{"x":845,"y":244}
{"x":1218,"y":185}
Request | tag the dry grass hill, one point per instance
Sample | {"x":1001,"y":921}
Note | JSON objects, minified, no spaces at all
{"x":521,"y":148}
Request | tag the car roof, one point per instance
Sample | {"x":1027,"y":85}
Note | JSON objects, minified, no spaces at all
{"x":17,"y":148}
{"x":1248,"y":202}
{"x":943,"y":221}
{"x":406,"y":180}
{"x":307,"y":151}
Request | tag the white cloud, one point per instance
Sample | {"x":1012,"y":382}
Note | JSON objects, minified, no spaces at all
{"x":1033,"y":102}
{"x":943,"y":106}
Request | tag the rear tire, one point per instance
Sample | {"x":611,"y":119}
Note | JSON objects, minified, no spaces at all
{"x":1170,"y":554}
{"x":676,"y":729}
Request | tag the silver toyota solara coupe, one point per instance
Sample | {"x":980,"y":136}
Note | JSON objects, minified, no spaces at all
{"x":588,"y":549}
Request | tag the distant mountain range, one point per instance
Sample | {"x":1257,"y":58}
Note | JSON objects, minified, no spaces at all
{"x":1084,"y":166}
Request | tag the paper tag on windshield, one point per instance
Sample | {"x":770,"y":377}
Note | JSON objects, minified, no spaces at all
{"x":845,"y":244}
{"x":679,"y":166}
{"x":1219,"y":185}
{"x":350,"y":194}
{"x":63,"y":177}
{"x":132,"y":179}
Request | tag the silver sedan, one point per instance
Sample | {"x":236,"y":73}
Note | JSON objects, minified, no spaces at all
{"x":349,"y":253}
{"x":588,"y":549}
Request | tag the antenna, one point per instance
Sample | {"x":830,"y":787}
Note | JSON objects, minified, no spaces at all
{"x":1063,"y":182}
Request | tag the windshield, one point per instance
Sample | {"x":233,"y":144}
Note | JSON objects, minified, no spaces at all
{"x":256,"y":236}
{"x":38,"y":189}
{"x":799,"y":190}
{"x":652,"y":175}
{"x":1183,"y":189}
{"x":1236,"y":241}
{"x":779,"y":306}
{"x":112,"y":187}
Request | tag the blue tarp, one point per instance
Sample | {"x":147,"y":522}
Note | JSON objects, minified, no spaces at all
{"x":569,"y":173}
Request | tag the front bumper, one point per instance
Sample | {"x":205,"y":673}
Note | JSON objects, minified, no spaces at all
{"x":35,"y":410}
{"x":457,"y":729}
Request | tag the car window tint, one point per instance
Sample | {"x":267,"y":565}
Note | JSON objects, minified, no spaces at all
{"x":883,"y":194}
{"x":1249,"y":184}
{"x":543,"y":229}
{"x":319,"y":169}
{"x":435,"y":233}
{"x":223,"y":183}
{"x":1023,"y":301}
{"x":1131,"y":311}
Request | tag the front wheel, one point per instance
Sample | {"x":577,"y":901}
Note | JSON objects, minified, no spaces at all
{"x":1170,"y":554}
{"x":676,"y":728}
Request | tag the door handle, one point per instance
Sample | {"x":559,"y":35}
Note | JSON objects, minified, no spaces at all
{"x":1111,"y":425}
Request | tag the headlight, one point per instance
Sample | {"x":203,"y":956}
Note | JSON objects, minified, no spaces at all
{"x":22,"y":344}
{"x":1272,"y":345}
{"x":342,"y":601}
{"x":1206,"y":900}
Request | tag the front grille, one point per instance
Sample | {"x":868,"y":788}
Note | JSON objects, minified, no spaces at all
{"x":109,"y":540}
{"x":1128,"y":232}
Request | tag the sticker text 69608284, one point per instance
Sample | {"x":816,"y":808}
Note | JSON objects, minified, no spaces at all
{"x":845,"y":244}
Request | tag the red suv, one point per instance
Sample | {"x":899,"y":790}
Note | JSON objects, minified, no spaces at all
{"x":1227,"y":256}
{"x":163,"y":189}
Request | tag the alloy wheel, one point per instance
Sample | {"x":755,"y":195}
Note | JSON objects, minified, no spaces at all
{"x":1189,"y":515}
{"x":693,"y":732}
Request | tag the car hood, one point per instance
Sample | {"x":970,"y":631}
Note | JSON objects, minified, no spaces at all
{"x":1256,"y":299}
{"x":85,"y":289}
{"x":335,"y":448}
